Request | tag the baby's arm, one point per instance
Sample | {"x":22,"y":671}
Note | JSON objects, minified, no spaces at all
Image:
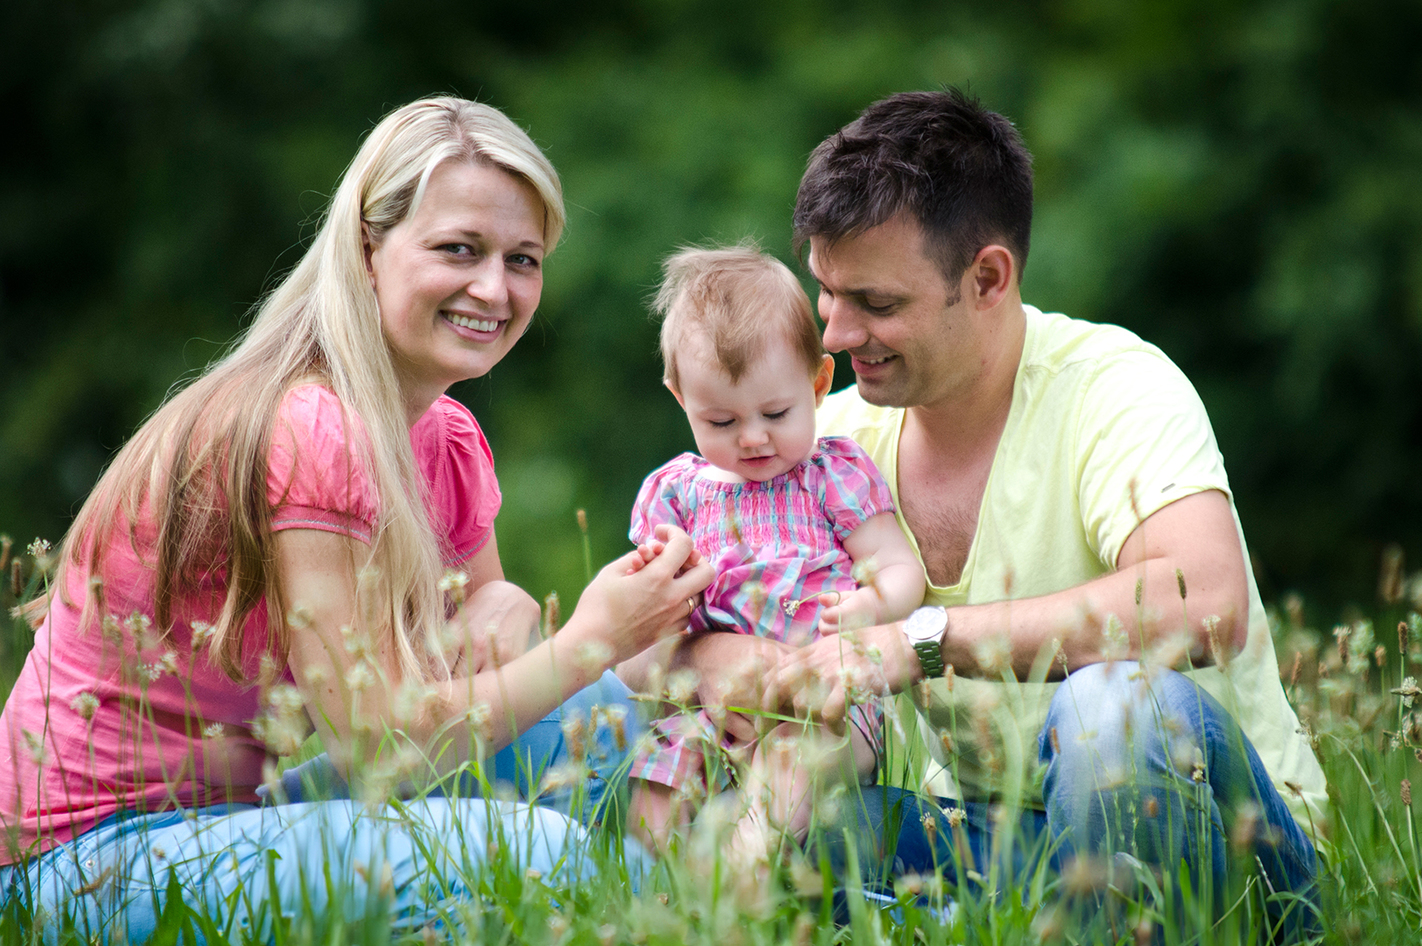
{"x":894,"y":587}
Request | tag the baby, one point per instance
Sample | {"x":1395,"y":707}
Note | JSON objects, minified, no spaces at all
{"x":801,"y":532}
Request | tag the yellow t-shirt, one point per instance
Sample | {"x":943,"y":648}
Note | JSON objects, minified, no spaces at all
{"x":1104,"y":430}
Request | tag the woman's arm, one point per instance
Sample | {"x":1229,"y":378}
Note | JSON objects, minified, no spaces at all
{"x":355,"y":693}
{"x":894,"y":587}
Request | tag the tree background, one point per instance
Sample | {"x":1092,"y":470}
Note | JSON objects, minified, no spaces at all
{"x":1239,"y":183}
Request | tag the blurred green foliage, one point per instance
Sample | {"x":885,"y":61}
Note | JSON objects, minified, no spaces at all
{"x":1237,"y":182}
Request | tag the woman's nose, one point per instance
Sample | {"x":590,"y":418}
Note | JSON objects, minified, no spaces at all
{"x":490,"y":284}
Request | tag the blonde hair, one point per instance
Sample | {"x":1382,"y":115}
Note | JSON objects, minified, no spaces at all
{"x":197,"y":469}
{"x":739,"y":299}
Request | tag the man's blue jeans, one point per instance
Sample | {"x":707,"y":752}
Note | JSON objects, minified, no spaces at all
{"x":1138,"y":763}
{"x":408,"y":864}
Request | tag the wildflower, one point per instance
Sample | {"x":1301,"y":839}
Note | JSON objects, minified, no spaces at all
{"x":1144,"y":933}
{"x":948,"y":677}
{"x":616,"y":717}
{"x":1218,"y":648}
{"x":533,"y":873}
{"x":356,"y":645}
{"x":214,"y":731}
{"x":1246,"y":827}
{"x":316,"y":676}
{"x":1390,"y":578}
{"x":1140,"y":590}
{"x":930,"y":828}
{"x":202,"y":632}
{"x":607,"y":933}
{"x":1084,"y":876}
{"x":1152,"y":806}
{"x":993,"y":654}
{"x":1409,"y":691}
{"x":1406,"y":791}
{"x":681,"y":685}
{"x":39,"y":548}
{"x":453,"y":583}
{"x":17,"y":583}
{"x":359,"y":677}
{"x":86,"y":705}
{"x":593,"y":656}
{"x":551,"y":617}
{"x":1294,"y":789}
{"x":1115,"y":642}
{"x":583,"y":521}
{"x":36,"y":747}
{"x":5,"y":543}
{"x":1180,"y":580}
{"x":557,"y":925}
{"x":169,"y":662}
{"x":480,"y":718}
{"x":564,"y":776}
{"x":574,"y":733}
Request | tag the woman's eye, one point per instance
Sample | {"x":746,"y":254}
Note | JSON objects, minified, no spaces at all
{"x":524,"y":260}
{"x":458,"y":249}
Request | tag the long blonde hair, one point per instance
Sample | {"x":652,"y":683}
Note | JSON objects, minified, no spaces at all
{"x":197,"y":469}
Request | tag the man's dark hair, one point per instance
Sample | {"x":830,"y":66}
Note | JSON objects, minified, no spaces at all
{"x":958,"y":169}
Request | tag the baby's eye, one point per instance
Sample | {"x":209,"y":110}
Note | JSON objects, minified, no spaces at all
{"x":776,"y":415}
{"x":720,"y":423}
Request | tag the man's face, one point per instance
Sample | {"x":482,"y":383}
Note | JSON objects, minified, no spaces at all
{"x":887,"y":303}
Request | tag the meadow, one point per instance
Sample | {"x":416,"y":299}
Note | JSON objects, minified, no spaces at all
{"x":1353,"y":685}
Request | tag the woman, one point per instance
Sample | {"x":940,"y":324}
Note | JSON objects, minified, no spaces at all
{"x":272,"y":547}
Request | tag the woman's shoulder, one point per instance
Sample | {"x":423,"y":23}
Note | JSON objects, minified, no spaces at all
{"x":458,"y":465}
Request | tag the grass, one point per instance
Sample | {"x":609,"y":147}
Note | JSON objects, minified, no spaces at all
{"x":1351,"y":685}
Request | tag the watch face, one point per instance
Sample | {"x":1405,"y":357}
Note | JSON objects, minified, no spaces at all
{"x":926,"y":624}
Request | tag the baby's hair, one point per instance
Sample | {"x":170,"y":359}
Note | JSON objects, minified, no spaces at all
{"x":738,"y":298}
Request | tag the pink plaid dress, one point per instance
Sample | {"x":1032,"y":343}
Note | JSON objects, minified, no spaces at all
{"x":776,"y":546}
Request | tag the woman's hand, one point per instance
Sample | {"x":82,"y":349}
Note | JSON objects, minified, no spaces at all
{"x":633,"y":603}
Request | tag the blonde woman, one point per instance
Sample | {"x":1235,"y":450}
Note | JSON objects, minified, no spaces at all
{"x":306,"y":533}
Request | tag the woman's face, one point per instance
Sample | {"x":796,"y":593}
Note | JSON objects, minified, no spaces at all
{"x":457,"y":281}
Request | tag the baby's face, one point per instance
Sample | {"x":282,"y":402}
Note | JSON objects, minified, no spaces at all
{"x":759,"y":427}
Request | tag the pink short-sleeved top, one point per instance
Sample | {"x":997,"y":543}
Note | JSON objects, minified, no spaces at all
{"x":105,"y":722}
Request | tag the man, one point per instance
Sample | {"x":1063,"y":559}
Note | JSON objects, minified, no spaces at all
{"x":1065,"y":494}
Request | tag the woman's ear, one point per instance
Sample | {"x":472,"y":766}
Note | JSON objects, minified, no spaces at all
{"x":823,"y":379}
{"x":367,"y":250}
{"x":675,"y":393}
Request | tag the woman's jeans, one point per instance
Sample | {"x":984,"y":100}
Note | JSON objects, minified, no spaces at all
{"x":413,"y":862}
{"x":1140,"y":770}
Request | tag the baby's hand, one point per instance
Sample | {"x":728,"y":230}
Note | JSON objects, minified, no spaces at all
{"x":859,"y":608}
{"x":645,"y":553}
{"x":650,"y":549}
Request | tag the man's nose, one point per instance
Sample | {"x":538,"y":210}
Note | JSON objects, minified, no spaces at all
{"x":843,"y":329}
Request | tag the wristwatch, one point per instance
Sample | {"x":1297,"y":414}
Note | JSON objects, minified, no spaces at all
{"x":925,"y":629}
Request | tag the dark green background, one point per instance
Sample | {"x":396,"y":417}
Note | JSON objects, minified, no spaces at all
{"x":1239,"y":183}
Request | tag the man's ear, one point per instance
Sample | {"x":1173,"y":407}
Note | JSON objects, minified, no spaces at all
{"x":675,"y":393}
{"x":994,"y":274}
{"x":823,"y":379}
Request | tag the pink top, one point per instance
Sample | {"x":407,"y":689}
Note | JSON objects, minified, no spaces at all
{"x":167,"y":729}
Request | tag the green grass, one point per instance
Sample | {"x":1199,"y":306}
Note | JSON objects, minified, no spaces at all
{"x":1340,"y":681}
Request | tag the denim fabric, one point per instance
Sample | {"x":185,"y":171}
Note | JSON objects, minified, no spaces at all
{"x":1139,"y":769}
{"x":406,"y":864}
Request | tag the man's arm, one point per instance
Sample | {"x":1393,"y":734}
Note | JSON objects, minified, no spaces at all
{"x":1191,"y":544}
